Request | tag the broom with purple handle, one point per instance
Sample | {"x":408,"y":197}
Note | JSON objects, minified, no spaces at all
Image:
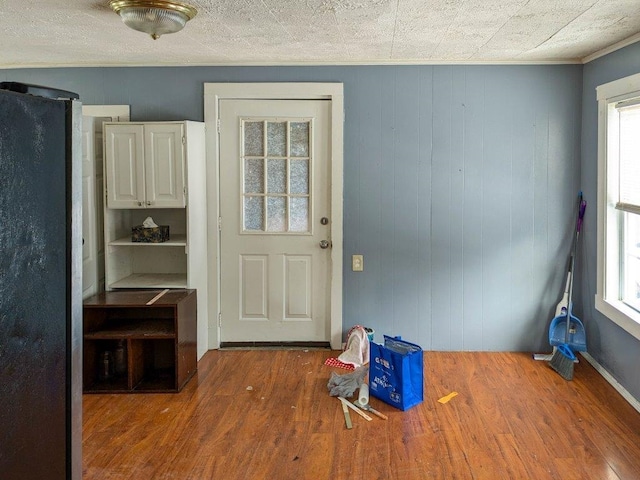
{"x":563,"y":357}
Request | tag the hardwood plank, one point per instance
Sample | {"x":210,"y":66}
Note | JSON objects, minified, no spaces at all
{"x":513,"y":418}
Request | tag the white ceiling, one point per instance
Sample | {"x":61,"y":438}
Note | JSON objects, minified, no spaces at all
{"x":292,"y":32}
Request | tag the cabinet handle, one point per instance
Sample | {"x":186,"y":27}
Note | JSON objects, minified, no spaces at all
{"x":148,"y":202}
{"x":139,"y":204}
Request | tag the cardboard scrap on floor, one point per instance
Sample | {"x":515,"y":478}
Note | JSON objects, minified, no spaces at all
{"x":446,"y":398}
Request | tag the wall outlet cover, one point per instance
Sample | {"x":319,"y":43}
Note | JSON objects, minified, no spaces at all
{"x":357,"y":263}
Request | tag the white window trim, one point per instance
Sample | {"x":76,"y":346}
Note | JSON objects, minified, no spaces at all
{"x":621,"y":314}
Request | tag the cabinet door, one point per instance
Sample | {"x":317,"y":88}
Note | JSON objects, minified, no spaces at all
{"x":124,"y":165}
{"x":164,"y":166}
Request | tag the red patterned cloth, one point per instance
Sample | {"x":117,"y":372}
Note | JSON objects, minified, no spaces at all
{"x":334,"y":362}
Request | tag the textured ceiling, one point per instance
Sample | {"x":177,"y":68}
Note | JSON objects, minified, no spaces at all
{"x":286,"y":32}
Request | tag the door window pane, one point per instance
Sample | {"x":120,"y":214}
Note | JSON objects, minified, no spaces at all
{"x":299,"y":176}
{"x":254,"y":175}
{"x":253,"y":138}
{"x":276,"y":176}
{"x":299,"y":139}
{"x":276,"y":214}
{"x":276,"y":180}
{"x":276,"y":139}
{"x":253,"y":213}
{"x":299,"y":221}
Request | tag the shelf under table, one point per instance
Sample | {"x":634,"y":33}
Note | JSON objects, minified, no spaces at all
{"x":139,"y":329}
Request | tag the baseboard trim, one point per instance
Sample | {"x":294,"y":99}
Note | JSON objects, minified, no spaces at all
{"x":614,"y":383}
{"x":274,"y":345}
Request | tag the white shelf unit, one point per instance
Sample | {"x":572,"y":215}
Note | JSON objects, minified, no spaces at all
{"x":173,"y":155}
{"x":160,"y":265}
{"x":175,"y":241}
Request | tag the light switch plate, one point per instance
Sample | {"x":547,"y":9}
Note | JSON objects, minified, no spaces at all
{"x":357,"y":263}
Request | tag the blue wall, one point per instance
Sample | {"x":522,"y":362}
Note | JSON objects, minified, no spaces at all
{"x":611,"y":346}
{"x":459,"y":186}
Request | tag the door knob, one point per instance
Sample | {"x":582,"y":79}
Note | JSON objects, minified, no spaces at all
{"x":324,"y":244}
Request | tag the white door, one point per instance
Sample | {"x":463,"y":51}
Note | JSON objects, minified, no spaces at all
{"x":275,"y":167}
{"x":99,"y":183}
{"x":89,"y":229}
{"x":93,"y":192}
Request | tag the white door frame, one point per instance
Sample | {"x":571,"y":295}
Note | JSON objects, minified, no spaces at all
{"x":116,"y":113}
{"x":213,"y":93}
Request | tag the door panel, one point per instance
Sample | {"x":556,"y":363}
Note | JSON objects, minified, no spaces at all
{"x":254,"y":286}
{"x":298,"y":286}
{"x":274,"y":189}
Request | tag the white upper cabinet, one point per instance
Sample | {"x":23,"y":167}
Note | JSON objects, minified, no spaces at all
{"x":145,"y":165}
{"x":149,"y":169}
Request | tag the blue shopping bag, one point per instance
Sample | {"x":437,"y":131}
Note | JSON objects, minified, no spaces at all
{"x":396,"y":372}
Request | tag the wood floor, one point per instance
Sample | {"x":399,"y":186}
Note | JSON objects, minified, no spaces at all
{"x":268,"y":415}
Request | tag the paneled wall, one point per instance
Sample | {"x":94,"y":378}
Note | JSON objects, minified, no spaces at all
{"x":459,"y":184}
{"x":459,"y":188}
{"x":610,"y":345}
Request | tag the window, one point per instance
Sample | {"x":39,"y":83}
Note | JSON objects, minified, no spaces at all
{"x":276,"y":156}
{"x":618,"y":293}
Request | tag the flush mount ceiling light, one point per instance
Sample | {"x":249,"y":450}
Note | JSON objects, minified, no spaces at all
{"x":155,"y":17}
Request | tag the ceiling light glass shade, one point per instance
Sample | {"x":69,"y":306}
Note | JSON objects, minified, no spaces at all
{"x":155,"y":17}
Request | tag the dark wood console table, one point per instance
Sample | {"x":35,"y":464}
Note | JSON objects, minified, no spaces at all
{"x":133,"y":345}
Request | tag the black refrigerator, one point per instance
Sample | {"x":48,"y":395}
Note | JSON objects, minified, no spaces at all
{"x":40,"y":283}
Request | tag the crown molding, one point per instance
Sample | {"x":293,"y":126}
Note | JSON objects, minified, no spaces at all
{"x":612,"y":48}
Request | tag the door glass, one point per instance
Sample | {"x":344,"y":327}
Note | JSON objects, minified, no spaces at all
{"x":254,"y":213}
{"x":276,"y":175}
{"x":254,"y":175}
{"x":299,"y":139}
{"x":276,"y":214}
{"x":299,"y":176}
{"x":253,"y":138}
{"x":299,"y":214}
{"x":276,"y":139}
